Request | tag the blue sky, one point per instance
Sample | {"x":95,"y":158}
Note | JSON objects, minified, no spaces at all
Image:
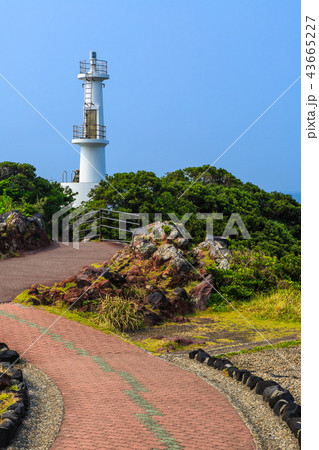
{"x":186,"y":79}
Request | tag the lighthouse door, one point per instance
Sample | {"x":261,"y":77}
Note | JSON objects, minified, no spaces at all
{"x":90,"y":123}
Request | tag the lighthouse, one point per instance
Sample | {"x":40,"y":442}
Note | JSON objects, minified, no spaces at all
{"x":91,"y":135}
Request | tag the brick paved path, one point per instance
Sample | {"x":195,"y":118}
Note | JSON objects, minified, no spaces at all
{"x":117,"y":396}
{"x":47,"y":266}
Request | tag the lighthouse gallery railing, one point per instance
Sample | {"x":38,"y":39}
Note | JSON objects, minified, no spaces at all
{"x":100,"y":66}
{"x":87,"y":131}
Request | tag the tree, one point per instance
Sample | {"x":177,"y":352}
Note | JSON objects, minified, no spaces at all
{"x":272,"y":219}
{"x":23,"y":186}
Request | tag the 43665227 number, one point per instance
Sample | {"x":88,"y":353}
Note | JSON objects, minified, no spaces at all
{"x":310,"y":47}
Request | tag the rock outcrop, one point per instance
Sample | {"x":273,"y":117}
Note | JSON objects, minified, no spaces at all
{"x":159,"y":270}
{"x":19,"y":233}
{"x":216,"y":248}
{"x":201,"y":293}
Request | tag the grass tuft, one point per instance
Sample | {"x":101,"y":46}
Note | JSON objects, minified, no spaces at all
{"x":118,"y":314}
{"x":283,"y":304}
{"x":135,"y":292}
{"x":6,"y":399}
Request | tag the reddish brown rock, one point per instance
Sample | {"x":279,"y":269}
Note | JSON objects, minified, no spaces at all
{"x":178,"y":279}
{"x":87,"y":276}
{"x":35,"y":301}
{"x":113,"y":276}
{"x":132,"y":279}
{"x":150,"y":318}
{"x":70,"y":280}
{"x":54,"y":296}
{"x":33,"y":290}
{"x":102,"y":287}
{"x":4,"y":380}
{"x":179,"y":302}
{"x":201,"y":293}
{"x":135,"y":270}
{"x":72,"y":294}
{"x":158,"y":300}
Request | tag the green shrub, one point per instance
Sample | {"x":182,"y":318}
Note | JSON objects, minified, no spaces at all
{"x":292,"y":266}
{"x":28,"y":209}
{"x":6,"y":203}
{"x":30,"y":193}
{"x":166,"y":229}
{"x":252,"y":272}
{"x":272,"y":218}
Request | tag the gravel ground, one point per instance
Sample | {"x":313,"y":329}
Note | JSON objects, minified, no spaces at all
{"x":42,"y":423}
{"x":269,"y":432}
{"x":282,"y":366}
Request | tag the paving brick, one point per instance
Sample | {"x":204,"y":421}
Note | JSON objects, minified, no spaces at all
{"x":116,"y":396}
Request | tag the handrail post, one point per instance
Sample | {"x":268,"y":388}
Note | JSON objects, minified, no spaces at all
{"x":100,"y":219}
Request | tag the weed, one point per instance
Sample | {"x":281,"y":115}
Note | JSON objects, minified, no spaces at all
{"x":6,"y":399}
{"x":134,"y":292}
{"x":283,"y":304}
{"x":119,"y":314}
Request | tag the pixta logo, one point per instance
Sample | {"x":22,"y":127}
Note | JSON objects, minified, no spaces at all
{"x":76,"y":224}
{"x":66,"y":225}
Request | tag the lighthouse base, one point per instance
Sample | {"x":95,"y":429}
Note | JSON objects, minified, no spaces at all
{"x":81,"y":190}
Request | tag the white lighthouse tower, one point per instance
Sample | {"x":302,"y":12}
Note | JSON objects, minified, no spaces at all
{"x":91,"y":136}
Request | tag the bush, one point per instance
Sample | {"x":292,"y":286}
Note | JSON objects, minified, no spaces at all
{"x":118,"y":314}
{"x":30,"y":193}
{"x":252,"y":272}
{"x":292,"y":266}
{"x":272,"y":219}
{"x":6,"y":203}
{"x":27,"y":209}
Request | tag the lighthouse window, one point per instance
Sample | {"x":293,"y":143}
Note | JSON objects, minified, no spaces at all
{"x":90,"y":123}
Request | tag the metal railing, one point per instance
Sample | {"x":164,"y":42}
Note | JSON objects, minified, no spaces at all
{"x":99,"y":66}
{"x":109,"y":224}
{"x":89,"y":131}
